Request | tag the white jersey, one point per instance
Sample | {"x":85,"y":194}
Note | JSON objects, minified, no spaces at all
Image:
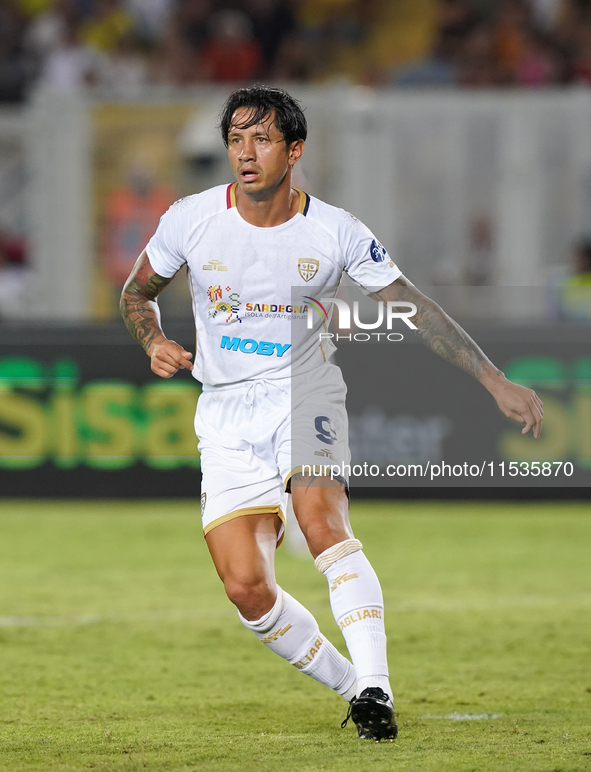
{"x":251,"y":285}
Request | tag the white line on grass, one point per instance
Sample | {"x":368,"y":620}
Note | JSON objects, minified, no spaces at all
{"x":480,"y":604}
{"x":467,"y":716}
{"x":416,"y":604}
{"x":97,"y":619}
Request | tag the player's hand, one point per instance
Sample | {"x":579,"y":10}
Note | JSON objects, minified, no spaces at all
{"x":168,"y":357}
{"x":521,"y":404}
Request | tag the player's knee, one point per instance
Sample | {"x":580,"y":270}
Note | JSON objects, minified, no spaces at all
{"x":252,"y":597}
{"x":322,"y":514}
{"x":321,"y":535}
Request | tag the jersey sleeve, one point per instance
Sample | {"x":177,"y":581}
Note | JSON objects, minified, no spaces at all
{"x":165,"y":249}
{"x":367,"y":261}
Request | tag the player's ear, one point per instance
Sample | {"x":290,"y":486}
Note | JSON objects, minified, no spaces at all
{"x":295,"y":151}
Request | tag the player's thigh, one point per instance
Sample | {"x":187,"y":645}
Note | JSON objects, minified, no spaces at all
{"x":243,"y":549}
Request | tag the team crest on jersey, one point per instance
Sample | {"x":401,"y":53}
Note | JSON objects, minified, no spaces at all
{"x":377,"y":251}
{"x":308,"y":268}
{"x":225,"y":302}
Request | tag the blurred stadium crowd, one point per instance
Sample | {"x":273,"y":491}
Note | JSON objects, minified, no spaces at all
{"x":126,"y":51}
{"x":124,"y":44}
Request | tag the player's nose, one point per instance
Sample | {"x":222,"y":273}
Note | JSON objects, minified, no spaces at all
{"x":247,"y":152}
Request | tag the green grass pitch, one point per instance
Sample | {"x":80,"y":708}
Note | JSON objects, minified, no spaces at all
{"x":119,"y":651}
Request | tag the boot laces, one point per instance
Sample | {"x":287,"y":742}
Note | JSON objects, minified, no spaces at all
{"x":348,"y":716}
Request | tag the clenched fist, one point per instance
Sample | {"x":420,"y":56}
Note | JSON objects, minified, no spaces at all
{"x":168,"y":357}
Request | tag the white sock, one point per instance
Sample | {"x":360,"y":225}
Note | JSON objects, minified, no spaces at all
{"x":292,"y":632}
{"x":358,"y":607}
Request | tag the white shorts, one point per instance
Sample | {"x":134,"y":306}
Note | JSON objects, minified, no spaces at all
{"x":254,"y":435}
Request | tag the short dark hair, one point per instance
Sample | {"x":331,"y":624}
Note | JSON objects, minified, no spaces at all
{"x":262,"y":101}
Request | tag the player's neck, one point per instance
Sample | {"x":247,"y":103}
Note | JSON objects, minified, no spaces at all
{"x":279,"y":207}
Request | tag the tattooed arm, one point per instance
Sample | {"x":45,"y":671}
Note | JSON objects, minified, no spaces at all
{"x":141,"y":314}
{"x":445,"y":337}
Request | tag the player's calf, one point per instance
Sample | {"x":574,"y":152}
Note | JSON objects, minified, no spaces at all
{"x":292,"y":632}
{"x":358,"y":608}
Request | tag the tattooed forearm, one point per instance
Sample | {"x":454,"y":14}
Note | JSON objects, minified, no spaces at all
{"x":446,"y":338}
{"x":141,"y":317}
{"x":138,"y":305}
{"x":439,"y":332}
